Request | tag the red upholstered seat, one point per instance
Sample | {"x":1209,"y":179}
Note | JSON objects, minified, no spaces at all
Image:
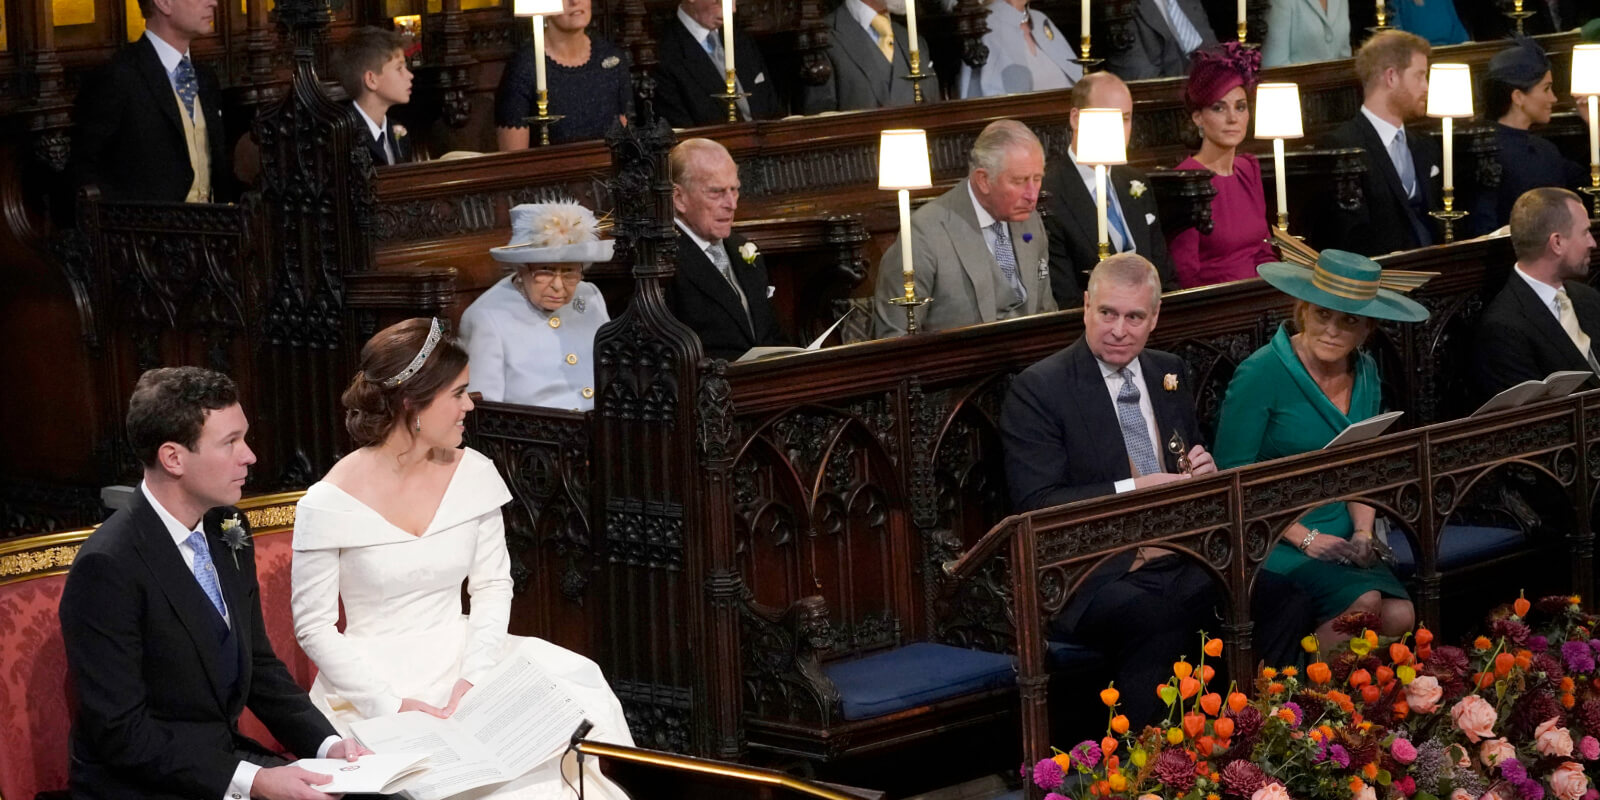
{"x":34,"y":720}
{"x":273,"y":556}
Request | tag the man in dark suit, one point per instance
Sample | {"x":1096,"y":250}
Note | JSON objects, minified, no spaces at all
{"x":1403,"y":180}
{"x":161,"y":617}
{"x":870,"y":59}
{"x":371,"y":66}
{"x":692,"y":70}
{"x":721,"y":288}
{"x":1544,"y":318}
{"x":1095,"y":419}
{"x":149,"y":121}
{"x":1165,"y":35}
{"x":1070,"y":206}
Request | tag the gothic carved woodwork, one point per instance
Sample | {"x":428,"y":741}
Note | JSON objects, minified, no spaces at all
{"x":1183,"y":197}
{"x":811,"y":43}
{"x":449,"y":62}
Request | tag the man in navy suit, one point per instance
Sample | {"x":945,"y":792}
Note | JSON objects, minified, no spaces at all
{"x":1545,"y":317}
{"x":149,"y":121}
{"x":1095,"y":419}
{"x":1403,"y":180}
{"x":161,"y":617}
{"x":721,"y":288}
{"x":691,"y":70}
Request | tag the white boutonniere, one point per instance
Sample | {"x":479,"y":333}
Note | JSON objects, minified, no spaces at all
{"x":748,"y":252}
{"x":1136,"y":188}
{"x":235,"y":537}
{"x":1170,"y":382}
{"x":611,"y":61}
{"x":399,"y":131}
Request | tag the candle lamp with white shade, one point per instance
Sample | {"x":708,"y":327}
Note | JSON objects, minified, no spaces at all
{"x":1278,"y":118}
{"x":1586,"y":86}
{"x":1449,"y":98}
{"x":1101,"y":143}
{"x":903,"y":166}
{"x":536,"y":11}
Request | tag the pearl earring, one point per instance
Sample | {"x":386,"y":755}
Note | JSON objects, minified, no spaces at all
{"x":417,"y":426}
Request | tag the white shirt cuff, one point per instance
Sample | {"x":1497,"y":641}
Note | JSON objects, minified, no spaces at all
{"x":244,"y":776}
{"x":327,"y":744}
{"x":1124,"y":485}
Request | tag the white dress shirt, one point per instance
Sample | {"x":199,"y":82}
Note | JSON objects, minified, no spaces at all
{"x":1545,"y":292}
{"x":1112,"y":199}
{"x":1114,"y":387}
{"x":1386,"y":133}
{"x":244,"y":775}
{"x":985,"y":220}
{"x":169,"y":56}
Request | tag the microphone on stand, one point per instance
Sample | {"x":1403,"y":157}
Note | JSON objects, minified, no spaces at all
{"x":572,"y":747}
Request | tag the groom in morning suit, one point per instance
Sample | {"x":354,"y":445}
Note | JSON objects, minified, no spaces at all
{"x":1094,"y":419}
{"x":721,"y":288}
{"x":1545,"y":318}
{"x":149,"y":121}
{"x":161,"y":617}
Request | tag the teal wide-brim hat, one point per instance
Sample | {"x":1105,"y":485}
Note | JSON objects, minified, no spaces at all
{"x":1351,"y":283}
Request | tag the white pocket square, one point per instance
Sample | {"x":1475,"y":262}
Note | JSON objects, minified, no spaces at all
{"x":1149,"y":219}
{"x":760,"y":77}
{"x":1433,"y":172}
{"x":771,"y":290}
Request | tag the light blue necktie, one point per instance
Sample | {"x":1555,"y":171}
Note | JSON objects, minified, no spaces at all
{"x":1135,"y":433}
{"x":1401,"y":156}
{"x":188,"y":88}
{"x":1189,"y":39}
{"x":1114,"y":217}
{"x":206,"y":572}
{"x":1006,"y":257}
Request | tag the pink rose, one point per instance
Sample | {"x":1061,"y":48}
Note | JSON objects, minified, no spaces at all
{"x":1366,"y":793}
{"x":1475,"y":717}
{"x":1459,"y":753}
{"x":1461,"y":794}
{"x":1552,"y":741}
{"x":1272,"y":791}
{"x":1149,"y":797}
{"x":1568,"y":781}
{"x":1423,"y":694}
{"x":1589,"y":748}
{"x":1495,"y":751}
{"x":1491,"y":795}
{"x":1402,"y":750}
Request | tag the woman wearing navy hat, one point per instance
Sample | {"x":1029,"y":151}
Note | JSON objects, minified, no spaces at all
{"x":1293,"y":396}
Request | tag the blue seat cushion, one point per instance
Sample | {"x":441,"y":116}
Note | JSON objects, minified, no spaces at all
{"x":915,"y":675}
{"x":1459,"y":546}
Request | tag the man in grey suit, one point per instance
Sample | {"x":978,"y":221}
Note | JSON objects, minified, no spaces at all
{"x":870,"y":59}
{"x":979,"y":250}
{"x":1165,"y":34}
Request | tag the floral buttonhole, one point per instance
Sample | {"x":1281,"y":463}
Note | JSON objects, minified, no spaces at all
{"x":748,"y":252}
{"x":235,"y":537}
{"x":611,"y":61}
{"x":1170,"y":382}
{"x":1136,"y":188}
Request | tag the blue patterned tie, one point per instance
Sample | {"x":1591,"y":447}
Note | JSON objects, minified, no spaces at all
{"x":1135,"y":433}
{"x":1006,"y":257}
{"x":184,"y":82}
{"x":1118,"y":224}
{"x":206,"y":572}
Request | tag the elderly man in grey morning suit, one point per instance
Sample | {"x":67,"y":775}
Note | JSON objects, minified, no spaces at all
{"x":1165,"y":34}
{"x":979,"y":250}
{"x":870,"y":54}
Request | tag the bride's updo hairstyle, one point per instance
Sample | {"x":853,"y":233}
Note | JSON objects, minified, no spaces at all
{"x":375,"y":403}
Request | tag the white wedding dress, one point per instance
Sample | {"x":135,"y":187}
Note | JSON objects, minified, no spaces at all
{"x":405,"y":635}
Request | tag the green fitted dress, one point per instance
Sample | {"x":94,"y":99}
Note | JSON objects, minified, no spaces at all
{"x":1274,"y":409}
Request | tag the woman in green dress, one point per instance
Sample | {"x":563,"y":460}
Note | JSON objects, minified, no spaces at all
{"x":1294,"y":395}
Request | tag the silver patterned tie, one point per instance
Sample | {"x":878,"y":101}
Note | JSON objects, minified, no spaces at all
{"x":1135,"y":433}
{"x":1006,"y":257}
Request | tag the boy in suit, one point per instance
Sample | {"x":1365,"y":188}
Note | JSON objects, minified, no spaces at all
{"x":371,"y":66}
{"x":161,"y":617}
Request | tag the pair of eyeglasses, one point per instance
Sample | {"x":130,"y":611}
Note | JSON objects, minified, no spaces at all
{"x":568,"y":277}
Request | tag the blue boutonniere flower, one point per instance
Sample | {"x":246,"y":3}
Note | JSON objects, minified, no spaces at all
{"x":235,"y":537}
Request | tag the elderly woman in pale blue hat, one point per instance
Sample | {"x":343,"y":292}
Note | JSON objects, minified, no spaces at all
{"x":530,"y":337}
{"x":1294,"y":395}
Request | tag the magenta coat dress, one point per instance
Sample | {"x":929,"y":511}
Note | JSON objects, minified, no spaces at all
{"x":1239,"y":239}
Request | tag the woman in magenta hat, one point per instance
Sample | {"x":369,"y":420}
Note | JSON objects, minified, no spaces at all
{"x":1218,"y":99}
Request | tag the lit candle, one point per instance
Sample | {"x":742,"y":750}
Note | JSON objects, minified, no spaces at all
{"x":911,"y":25}
{"x":1449,"y":154}
{"x":538,"y":53}
{"x":1101,"y":226}
{"x":1241,"y":11}
{"x":727,"y":36}
{"x":905,"y":241}
{"x":1382,"y":12}
{"x":1084,"y":24}
{"x":1281,"y":173}
{"x":1594,"y":129}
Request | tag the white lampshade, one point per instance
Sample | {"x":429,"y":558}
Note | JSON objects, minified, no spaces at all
{"x":1100,"y":137}
{"x":1586,"y":69}
{"x":1450,"y":91}
{"x":529,"y":8}
{"x":1278,"y":111}
{"x":903,"y":160}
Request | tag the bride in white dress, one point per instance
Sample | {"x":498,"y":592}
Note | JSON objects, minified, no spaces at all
{"x":391,"y":532}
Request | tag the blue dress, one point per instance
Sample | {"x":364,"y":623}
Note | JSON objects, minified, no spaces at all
{"x":1527,"y":161}
{"x":589,"y":98}
{"x":1274,"y":409}
{"x":1434,"y":20}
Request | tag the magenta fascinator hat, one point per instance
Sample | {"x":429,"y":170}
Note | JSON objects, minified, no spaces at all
{"x":1214,"y":73}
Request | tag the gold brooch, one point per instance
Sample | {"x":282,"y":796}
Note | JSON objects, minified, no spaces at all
{"x":1170,"y":382}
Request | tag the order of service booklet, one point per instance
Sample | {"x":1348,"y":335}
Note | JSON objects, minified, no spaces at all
{"x":514,"y":720}
{"x":384,"y":773}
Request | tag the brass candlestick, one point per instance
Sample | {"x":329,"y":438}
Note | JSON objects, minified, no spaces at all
{"x":1084,"y":59}
{"x":916,"y":77}
{"x":1103,"y":249}
{"x":1593,"y":189}
{"x":1244,"y":30}
{"x":1449,"y":215}
{"x":1519,"y":15}
{"x":732,"y":95}
{"x":1383,"y":18}
{"x":1283,"y":221}
{"x":545,"y":118}
{"x":911,"y":302}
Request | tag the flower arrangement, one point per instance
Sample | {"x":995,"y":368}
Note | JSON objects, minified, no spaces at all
{"x":1514,"y":715}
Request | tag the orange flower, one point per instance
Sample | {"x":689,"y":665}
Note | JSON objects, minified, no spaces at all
{"x":1360,"y":678}
{"x":1401,"y":709}
{"x":1521,"y":606}
{"x":1114,"y":763}
{"x":1063,"y":761}
{"x":1223,"y":728}
{"x":1108,"y":745}
{"x":1399,"y":653}
{"x":1269,"y":673}
{"x":1274,"y":688}
{"x":1370,"y":693}
{"x":1567,"y":700}
{"x":1370,"y":770}
{"x":1424,"y":651}
{"x":1342,"y":700}
{"x":1371,"y":636}
{"x":1567,"y":685}
{"x":1356,"y":785}
{"x":1211,"y":702}
{"x":1207,"y":673}
{"x":1327,"y":731}
{"x":1290,"y":672}
{"x":1194,"y":724}
{"x":1117,"y":783}
{"x":1384,"y":676}
{"x":1187,"y":687}
{"x":1319,"y":673}
{"x":1205,"y":745}
{"x":1237,"y":701}
{"x":1503,"y":664}
{"x":1119,"y":723}
{"x":1482,"y":643}
{"x":1424,"y":636}
{"x":1524,"y":659}
{"x":1174,"y":735}
{"x":1182,"y":669}
{"x":1109,"y":696}
{"x":1484,"y":680}
{"x":1213,"y":647}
